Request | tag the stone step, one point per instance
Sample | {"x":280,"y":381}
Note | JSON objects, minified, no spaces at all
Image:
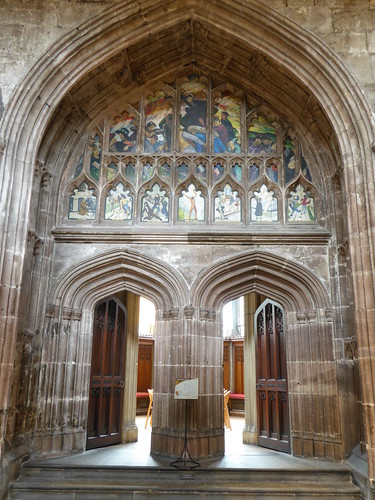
{"x":141,"y":482}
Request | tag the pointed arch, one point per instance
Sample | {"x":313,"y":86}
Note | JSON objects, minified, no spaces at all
{"x":308,"y":59}
{"x":84,"y":283}
{"x":283,"y":280}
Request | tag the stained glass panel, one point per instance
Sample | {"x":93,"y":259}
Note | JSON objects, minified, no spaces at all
{"x":262,"y":136}
{"x":158,"y":122}
{"x":123,"y":133}
{"x":191,"y":205}
{"x":301,"y":205}
{"x":82,"y":203}
{"x":289,"y":160}
{"x":193,"y":115}
{"x":263,"y":206}
{"x":227,"y":124}
{"x":119,"y":204}
{"x":227,"y":205}
{"x":155,"y":205}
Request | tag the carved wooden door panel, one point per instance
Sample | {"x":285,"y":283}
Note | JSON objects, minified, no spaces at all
{"x":107,"y":370}
{"x":272,"y":390}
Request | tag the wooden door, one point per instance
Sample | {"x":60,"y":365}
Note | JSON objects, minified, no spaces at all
{"x":272,"y":391}
{"x":107,"y":370}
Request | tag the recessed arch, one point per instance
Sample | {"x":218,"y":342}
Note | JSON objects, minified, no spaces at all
{"x":312,"y":63}
{"x":84,"y":283}
{"x":285,"y":281}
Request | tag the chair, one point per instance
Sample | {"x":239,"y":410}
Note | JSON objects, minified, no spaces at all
{"x":149,"y":410}
{"x":226,"y":410}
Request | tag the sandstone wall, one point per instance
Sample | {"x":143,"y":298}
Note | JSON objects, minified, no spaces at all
{"x":29,"y":28}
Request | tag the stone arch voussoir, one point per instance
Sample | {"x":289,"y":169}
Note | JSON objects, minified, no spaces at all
{"x":283,"y":280}
{"x":83,"y":284}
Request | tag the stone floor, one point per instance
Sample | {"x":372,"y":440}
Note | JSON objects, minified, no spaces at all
{"x":129,"y":472}
{"x":237,"y":455}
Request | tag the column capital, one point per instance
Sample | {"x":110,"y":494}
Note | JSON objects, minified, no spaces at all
{"x":189,"y":311}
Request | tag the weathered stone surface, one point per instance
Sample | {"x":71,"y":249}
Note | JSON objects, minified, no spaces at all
{"x":63,"y":64}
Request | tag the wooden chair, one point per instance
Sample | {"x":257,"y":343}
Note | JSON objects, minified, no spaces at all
{"x":226,"y":410}
{"x":149,"y":410}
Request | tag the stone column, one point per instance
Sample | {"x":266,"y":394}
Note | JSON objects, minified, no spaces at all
{"x":61,"y":417}
{"x":188,"y":344}
{"x":312,"y":381}
{"x":250,"y":435}
{"x":130,"y":429}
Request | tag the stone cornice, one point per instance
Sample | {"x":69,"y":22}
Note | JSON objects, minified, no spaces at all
{"x":175,"y":235}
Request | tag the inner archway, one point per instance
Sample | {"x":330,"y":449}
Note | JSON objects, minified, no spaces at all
{"x":255,"y":373}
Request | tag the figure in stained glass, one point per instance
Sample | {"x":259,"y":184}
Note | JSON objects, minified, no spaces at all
{"x":82,"y":203}
{"x":201,"y":172}
{"x":191,"y":205}
{"x":301,"y":205}
{"x":227,"y":123}
{"x":193,"y":111}
{"x":218,"y":172}
{"x":272,"y":172}
{"x":155,"y":205}
{"x":112,"y":170}
{"x":95,"y":157}
{"x":227,"y":205}
{"x":123,"y":133}
{"x":158,"y":119}
{"x":237,"y":172}
{"x":182,"y":172}
{"x":263,"y":206}
{"x":79,"y":168}
{"x":262,"y":136}
{"x":253,"y":172}
{"x":119,"y":204}
{"x":289,"y":160}
{"x":305,"y":169}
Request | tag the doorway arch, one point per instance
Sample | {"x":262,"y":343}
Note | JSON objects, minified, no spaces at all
{"x":309,"y":339}
{"x":68,"y":337}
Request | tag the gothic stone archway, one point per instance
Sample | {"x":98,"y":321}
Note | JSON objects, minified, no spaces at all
{"x":313,"y":393}
{"x":313,"y":64}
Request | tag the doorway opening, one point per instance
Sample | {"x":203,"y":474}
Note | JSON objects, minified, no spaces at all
{"x":255,"y":374}
{"x":121,"y":370}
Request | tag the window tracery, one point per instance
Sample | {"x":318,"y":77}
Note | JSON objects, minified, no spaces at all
{"x":187,"y":152}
